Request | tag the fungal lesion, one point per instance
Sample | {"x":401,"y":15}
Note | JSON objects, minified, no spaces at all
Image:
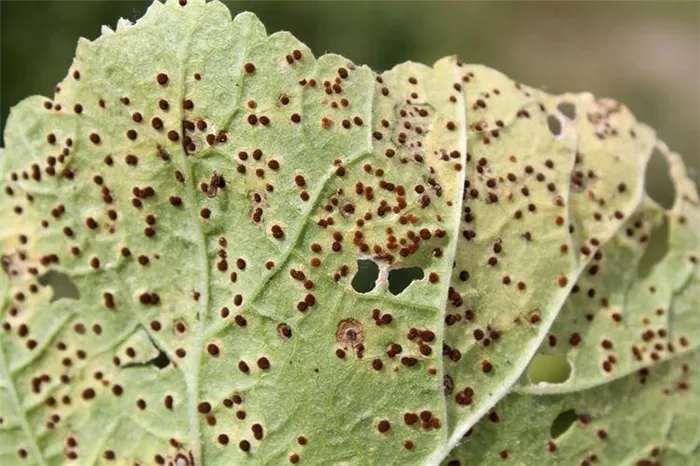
{"x":605,"y":108}
{"x":258,"y":206}
{"x":12,"y":264}
{"x":216,"y":182}
{"x":413,"y":123}
{"x":433,"y":185}
{"x":350,"y":336}
{"x":182,"y":459}
{"x":350,"y":332}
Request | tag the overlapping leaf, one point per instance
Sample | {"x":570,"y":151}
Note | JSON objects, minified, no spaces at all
{"x":183,"y":223}
{"x":627,"y":312}
{"x":549,"y":181}
{"x":624,"y":318}
{"x":644,"y":419}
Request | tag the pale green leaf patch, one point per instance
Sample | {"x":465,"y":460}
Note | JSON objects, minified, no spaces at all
{"x":630,"y":309}
{"x":550,"y":179}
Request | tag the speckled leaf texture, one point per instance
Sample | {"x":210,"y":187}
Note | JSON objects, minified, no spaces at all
{"x":183,"y":224}
{"x":209,"y":190}
{"x":643,"y":419}
{"x":549,"y":180}
{"x":626,"y":313}
{"x":629,"y":333}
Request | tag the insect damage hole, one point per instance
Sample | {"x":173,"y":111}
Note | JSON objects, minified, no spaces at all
{"x":657,"y":181}
{"x":161,"y":361}
{"x":554,"y":125}
{"x":568,"y":109}
{"x":656,"y":249}
{"x":400,"y":279}
{"x":61,"y":285}
{"x":549,"y":368}
{"x":562,"y":423}
{"x":366,"y":277}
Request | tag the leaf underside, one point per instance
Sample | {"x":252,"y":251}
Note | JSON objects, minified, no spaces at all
{"x":641,"y":419}
{"x":187,"y":220}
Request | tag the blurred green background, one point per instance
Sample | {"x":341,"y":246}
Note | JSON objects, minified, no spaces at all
{"x":645,"y":54}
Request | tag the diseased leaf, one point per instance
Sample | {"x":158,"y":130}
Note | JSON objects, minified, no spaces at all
{"x":210,"y":199}
{"x":644,"y":419}
{"x":619,"y":325}
{"x":545,"y":189}
{"x":219,"y":249}
{"x":621,"y":317}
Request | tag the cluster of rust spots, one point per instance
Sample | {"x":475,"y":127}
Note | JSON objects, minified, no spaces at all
{"x":350,"y":219}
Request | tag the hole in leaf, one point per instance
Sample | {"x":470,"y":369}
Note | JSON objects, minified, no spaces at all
{"x":161,"y":361}
{"x":399,"y":279}
{"x":568,"y":109}
{"x":658,"y":182}
{"x":61,"y":285}
{"x":550,"y":368}
{"x":366,"y":277}
{"x":656,"y":250}
{"x":562,"y":423}
{"x":554,"y":125}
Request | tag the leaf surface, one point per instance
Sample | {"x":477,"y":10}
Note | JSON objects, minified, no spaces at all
{"x":209,"y":200}
{"x":219,"y":249}
{"x":543,"y":194}
{"x":629,"y":331}
{"x":630,"y":309}
{"x":641,"y":419}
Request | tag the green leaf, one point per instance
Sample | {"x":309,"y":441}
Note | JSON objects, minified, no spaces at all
{"x":628,"y":311}
{"x":646,"y":418}
{"x":624,"y":318}
{"x":549,"y":181}
{"x":219,"y":249}
{"x":209,"y":190}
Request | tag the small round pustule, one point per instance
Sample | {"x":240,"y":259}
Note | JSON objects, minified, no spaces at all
{"x":350,"y":332}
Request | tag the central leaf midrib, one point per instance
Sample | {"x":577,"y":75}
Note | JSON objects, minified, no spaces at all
{"x":192,"y":377}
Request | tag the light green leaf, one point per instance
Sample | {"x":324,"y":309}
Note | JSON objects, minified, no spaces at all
{"x":631,"y":309}
{"x":219,"y":249}
{"x":624,"y":318}
{"x":549,"y":181}
{"x":208,"y":190}
{"x":646,"y":418}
